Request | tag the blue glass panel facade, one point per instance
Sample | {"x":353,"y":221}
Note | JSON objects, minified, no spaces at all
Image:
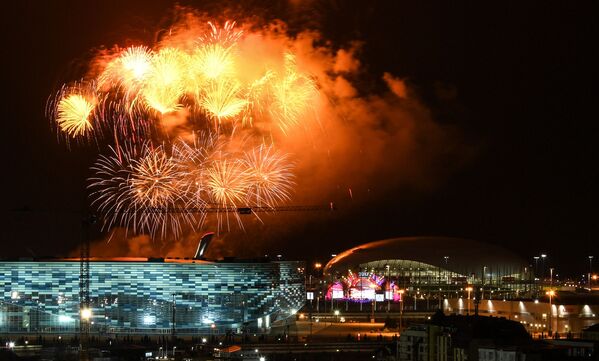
{"x":140,"y":297}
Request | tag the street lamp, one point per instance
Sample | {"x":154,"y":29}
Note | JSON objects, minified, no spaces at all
{"x":469,"y":289}
{"x":550,"y":293}
{"x":483,"y":287}
{"x":86,"y":313}
{"x":543,"y":256}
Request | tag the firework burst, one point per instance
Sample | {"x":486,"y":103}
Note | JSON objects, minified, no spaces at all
{"x":223,"y":100}
{"x":212,"y":61}
{"x":293,"y":95}
{"x":128,"y":70}
{"x":139,"y":190}
{"x":270,"y":176}
{"x":227,"y":182}
{"x":165,"y":83}
{"x":156,"y":182}
{"x":194,"y":158}
{"x":74,"y":110}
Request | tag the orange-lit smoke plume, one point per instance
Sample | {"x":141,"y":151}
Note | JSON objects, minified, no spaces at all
{"x":348,"y":147}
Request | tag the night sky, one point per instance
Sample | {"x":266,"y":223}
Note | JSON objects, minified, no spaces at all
{"x":518,"y":82}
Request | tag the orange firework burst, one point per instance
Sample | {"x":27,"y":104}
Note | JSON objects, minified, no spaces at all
{"x":215,"y":84}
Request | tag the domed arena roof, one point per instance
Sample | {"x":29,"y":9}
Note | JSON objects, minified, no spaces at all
{"x":464,"y":256}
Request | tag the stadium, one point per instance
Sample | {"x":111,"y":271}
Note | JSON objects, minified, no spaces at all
{"x":429,"y":267}
{"x":149,"y":296}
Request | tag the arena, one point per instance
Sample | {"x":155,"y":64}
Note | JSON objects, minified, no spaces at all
{"x":149,"y":296}
{"x":427,"y":267}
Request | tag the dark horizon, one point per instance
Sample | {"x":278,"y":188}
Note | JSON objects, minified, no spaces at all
{"x":516,"y":85}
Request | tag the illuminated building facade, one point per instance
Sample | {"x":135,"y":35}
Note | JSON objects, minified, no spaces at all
{"x":149,"y":296}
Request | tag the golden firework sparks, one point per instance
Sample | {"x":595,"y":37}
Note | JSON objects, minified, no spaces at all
{"x":222,"y":99}
{"x":73,"y":114}
{"x":165,"y":83}
{"x":212,"y":61}
{"x":227,"y":182}
{"x":270,"y":175}
{"x":293,"y":94}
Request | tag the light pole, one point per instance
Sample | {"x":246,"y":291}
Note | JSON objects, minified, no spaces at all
{"x":469,"y":289}
{"x":550,"y":293}
{"x":446,"y":258}
{"x":535,"y":274}
{"x":482,"y":297}
{"x":543,"y":256}
{"x":590,"y":270}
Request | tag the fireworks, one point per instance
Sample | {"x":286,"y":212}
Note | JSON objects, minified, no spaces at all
{"x":152,"y":182}
{"x":74,"y":115}
{"x":139,"y":189}
{"x":128,"y":70}
{"x":270,"y":176}
{"x":293,"y":94}
{"x":165,"y":84}
{"x":225,"y":35}
{"x":74,"y":109}
{"x":212,"y":61}
{"x":222,"y":100}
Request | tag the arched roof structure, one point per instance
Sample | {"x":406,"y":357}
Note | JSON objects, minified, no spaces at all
{"x":464,"y":256}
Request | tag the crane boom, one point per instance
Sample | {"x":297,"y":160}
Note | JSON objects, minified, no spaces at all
{"x":233,"y":209}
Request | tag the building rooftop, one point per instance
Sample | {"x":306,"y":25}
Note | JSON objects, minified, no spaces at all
{"x":454,"y":254}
